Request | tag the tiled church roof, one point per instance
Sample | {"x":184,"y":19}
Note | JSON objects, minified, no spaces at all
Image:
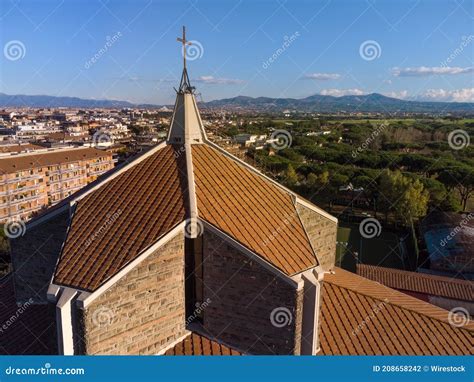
{"x":362,"y":317}
{"x":116,"y":222}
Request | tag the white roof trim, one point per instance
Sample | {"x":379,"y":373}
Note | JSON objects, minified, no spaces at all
{"x":86,"y":299}
{"x":47,"y":216}
{"x":252,"y":255}
{"x":192,"y":224}
{"x":64,"y":322}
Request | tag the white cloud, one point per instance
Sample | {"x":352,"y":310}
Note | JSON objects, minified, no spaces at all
{"x":458,"y":95}
{"x":402,"y":94}
{"x":322,"y":76}
{"x":218,"y":81}
{"x":423,"y":71}
{"x":341,"y":92}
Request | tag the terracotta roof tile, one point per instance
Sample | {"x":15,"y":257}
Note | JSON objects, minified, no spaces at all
{"x":25,"y":329}
{"x":251,"y":209}
{"x":113,"y":224}
{"x":419,"y":282}
{"x":361,"y":317}
{"x":19,"y":148}
{"x":197,"y":344}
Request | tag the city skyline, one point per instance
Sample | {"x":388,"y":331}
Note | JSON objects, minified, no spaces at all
{"x":127,"y":51}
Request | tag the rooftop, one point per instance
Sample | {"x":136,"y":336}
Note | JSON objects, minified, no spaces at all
{"x":198,"y":344}
{"x":419,"y":282}
{"x":28,"y":161}
{"x":363,"y":317}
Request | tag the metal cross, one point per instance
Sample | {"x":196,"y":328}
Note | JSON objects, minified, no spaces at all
{"x":185,"y":43}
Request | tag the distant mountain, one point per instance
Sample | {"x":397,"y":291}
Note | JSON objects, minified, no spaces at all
{"x":352,"y":103}
{"x":51,"y":101}
{"x":316,"y":103}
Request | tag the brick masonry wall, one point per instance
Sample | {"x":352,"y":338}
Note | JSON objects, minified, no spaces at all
{"x":34,"y":257}
{"x":242,"y":296}
{"x":322,"y":233}
{"x":142,"y":313}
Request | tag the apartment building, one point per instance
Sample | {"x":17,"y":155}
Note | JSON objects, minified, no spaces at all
{"x":30,"y":182}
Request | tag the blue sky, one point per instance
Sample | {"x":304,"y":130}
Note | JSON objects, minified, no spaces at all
{"x":408,"y":49}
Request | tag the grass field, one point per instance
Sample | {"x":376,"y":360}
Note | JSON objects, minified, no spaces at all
{"x":383,"y":250}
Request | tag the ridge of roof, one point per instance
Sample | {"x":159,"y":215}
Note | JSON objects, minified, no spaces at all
{"x":418,"y":282}
{"x":363,"y":286}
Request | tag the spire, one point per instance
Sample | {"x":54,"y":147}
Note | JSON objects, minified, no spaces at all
{"x":186,"y":124}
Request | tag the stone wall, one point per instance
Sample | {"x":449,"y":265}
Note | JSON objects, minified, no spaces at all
{"x":142,"y":313}
{"x":242,"y":296}
{"x":322,"y":233}
{"x":34,"y":256}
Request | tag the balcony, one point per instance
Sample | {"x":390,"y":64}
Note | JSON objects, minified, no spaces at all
{"x":20,"y":200}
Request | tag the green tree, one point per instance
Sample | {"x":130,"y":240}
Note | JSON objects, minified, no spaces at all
{"x":290,"y":176}
{"x":460,"y":179}
{"x":406,"y":197}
